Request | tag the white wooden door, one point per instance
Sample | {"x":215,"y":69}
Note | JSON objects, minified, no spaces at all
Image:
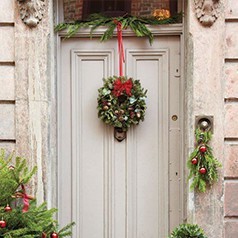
{"x":128,"y":189}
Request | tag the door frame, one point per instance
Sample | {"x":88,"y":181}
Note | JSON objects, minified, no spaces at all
{"x":162,"y":30}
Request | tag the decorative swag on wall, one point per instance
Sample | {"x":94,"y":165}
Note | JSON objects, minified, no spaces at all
{"x":137,"y":24}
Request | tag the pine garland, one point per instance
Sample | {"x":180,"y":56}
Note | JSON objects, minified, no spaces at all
{"x":137,"y":24}
{"x":37,"y":221}
{"x":201,"y":163}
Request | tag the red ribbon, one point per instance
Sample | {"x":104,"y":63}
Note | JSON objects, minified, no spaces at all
{"x":120,"y":87}
{"x":120,"y":47}
{"x":25,"y":197}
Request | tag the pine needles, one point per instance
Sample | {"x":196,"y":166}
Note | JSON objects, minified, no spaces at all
{"x":202,"y":164}
{"x":138,"y":25}
{"x":34,"y":222}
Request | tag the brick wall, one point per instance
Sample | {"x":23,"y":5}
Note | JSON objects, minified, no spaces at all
{"x":231,"y":121}
{"x":146,"y":7}
{"x":73,"y":8}
{"x":7,"y":71}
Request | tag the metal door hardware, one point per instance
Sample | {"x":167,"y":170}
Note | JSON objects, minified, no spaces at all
{"x":205,"y":123}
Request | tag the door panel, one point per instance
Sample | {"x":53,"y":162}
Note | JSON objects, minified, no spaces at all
{"x":147,"y":179}
{"x":127,"y":189}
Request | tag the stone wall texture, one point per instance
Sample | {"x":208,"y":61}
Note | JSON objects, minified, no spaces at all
{"x":28,"y":102}
{"x":7,"y":72}
{"x":230,"y":72}
{"x":204,"y":96}
{"x":27,"y":93}
{"x":212,"y":88}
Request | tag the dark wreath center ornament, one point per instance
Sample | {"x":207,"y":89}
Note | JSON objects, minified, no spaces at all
{"x":121,"y":102}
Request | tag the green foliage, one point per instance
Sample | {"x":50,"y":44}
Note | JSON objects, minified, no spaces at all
{"x":121,"y":114}
{"x":35,"y":221}
{"x":188,"y":231}
{"x":204,"y":160}
{"x":137,"y":24}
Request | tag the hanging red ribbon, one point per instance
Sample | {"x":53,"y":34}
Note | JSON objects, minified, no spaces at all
{"x":119,"y":87}
{"x":26,"y":198}
{"x":120,"y":47}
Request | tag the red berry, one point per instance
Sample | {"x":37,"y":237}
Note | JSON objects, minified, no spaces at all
{"x":202,"y":170}
{"x":54,"y":235}
{"x":7,"y":209}
{"x":194,"y":161}
{"x":3,"y":224}
{"x":203,"y":149}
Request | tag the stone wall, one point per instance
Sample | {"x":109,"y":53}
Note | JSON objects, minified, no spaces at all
{"x":230,"y":76}
{"x":7,"y":79}
{"x":27,"y":93}
{"x":36,"y":99}
{"x":28,"y":103}
{"x":212,"y":79}
{"x":204,"y":96}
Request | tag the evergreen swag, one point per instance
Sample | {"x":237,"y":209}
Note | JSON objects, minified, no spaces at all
{"x":188,"y":231}
{"x":33,"y":222}
{"x":137,"y":24}
{"x":202,"y":164}
{"x":121,"y":102}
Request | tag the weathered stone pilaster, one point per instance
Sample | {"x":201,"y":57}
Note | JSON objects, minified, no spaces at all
{"x":35,"y":98}
{"x":204,"y":96}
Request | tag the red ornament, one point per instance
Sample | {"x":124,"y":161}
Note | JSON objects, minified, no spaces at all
{"x":202,"y":170}
{"x":3,"y":224}
{"x":54,"y":235}
{"x":203,"y":149}
{"x":7,"y":209}
{"x":194,"y":161}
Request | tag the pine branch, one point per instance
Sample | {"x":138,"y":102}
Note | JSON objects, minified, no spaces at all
{"x":29,"y":223}
{"x":137,"y":24}
{"x":203,"y":167}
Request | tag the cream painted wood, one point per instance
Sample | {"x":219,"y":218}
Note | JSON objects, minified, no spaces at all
{"x":129,"y":189}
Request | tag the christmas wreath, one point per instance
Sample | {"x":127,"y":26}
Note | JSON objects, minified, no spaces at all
{"x":202,"y":164}
{"x":121,"y":102}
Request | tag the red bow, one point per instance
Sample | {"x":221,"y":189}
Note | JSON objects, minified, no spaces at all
{"x":120,"y":87}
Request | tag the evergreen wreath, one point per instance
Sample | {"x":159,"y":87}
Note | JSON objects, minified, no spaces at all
{"x":121,"y":102}
{"x":137,"y":24}
{"x":201,"y":163}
